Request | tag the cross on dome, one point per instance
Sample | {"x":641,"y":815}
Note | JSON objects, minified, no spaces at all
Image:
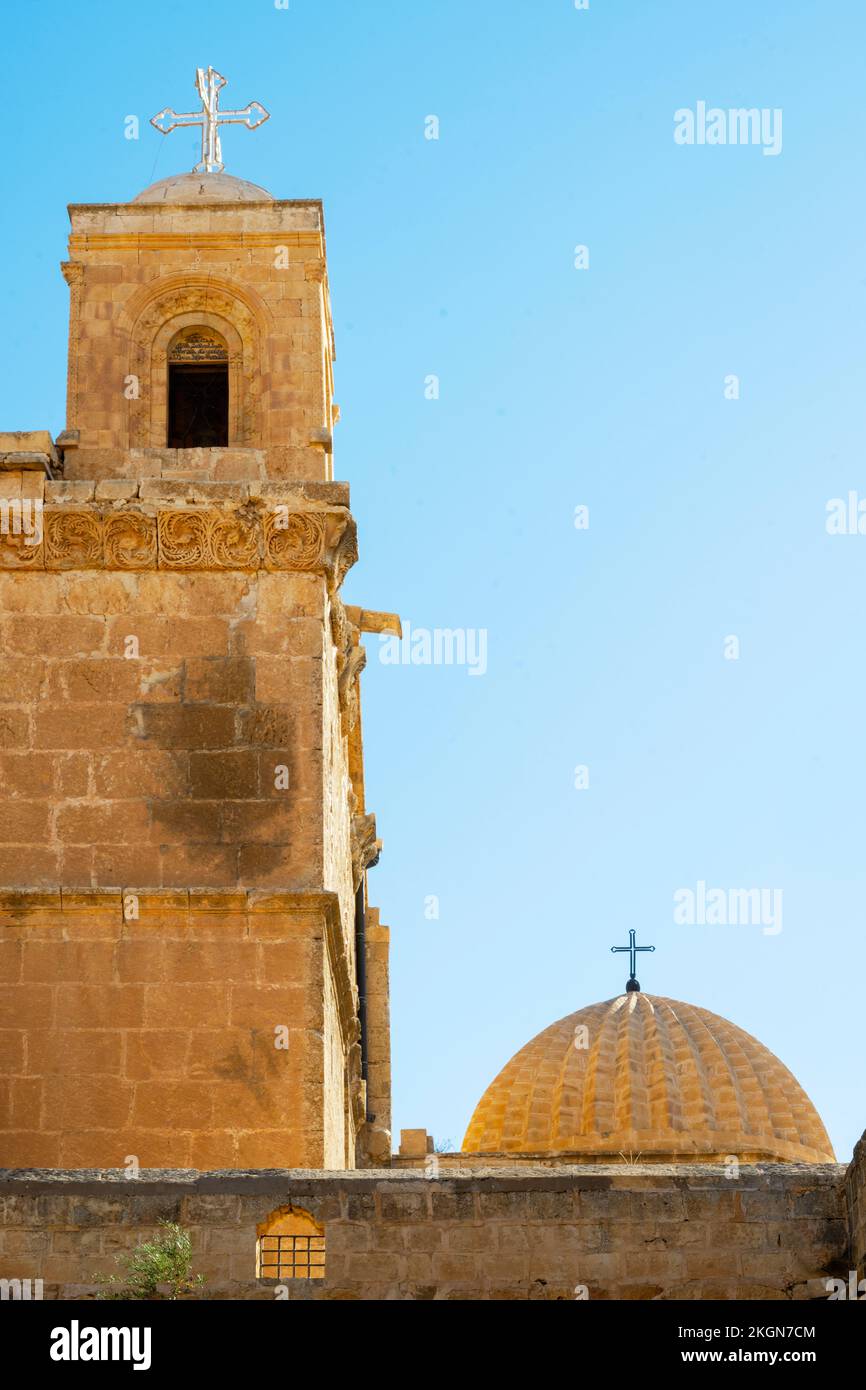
{"x":632,"y":982}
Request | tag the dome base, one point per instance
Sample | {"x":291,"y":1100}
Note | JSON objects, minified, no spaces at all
{"x":198,"y":189}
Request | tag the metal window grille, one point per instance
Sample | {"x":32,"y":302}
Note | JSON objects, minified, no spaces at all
{"x":292,"y":1257}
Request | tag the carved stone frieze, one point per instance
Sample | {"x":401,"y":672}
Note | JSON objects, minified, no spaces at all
{"x":130,"y":541}
{"x":299,"y":537}
{"x":234,"y":541}
{"x":73,"y":540}
{"x":17,"y":552}
{"x":183,"y":538}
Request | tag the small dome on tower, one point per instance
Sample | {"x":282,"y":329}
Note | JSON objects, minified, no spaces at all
{"x":203,"y":188}
{"x":640,"y":1075}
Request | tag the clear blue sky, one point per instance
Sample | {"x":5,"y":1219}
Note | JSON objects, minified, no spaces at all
{"x":558,"y":388}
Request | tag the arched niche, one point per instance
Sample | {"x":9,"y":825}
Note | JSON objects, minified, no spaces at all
{"x":290,"y":1244}
{"x":164,"y":320}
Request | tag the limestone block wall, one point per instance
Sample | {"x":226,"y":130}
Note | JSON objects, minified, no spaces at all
{"x":161,"y":768}
{"x":239,"y":464}
{"x":173,"y":724}
{"x":162,"y":692}
{"x":856,"y":1195}
{"x":189,"y":1034}
{"x":683,"y":1233}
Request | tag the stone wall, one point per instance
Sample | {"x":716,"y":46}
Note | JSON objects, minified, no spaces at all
{"x":855,"y":1184}
{"x":154,"y":1038}
{"x":175,"y":715}
{"x":163,"y":729}
{"x":688,"y":1232}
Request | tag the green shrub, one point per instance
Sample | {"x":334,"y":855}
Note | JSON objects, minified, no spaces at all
{"x":156,"y":1269}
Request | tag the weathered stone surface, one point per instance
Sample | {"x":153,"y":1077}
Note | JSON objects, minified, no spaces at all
{"x":855,"y":1189}
{"x":391,"y":1235}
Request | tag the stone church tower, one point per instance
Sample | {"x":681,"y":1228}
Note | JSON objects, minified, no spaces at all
{"x":190,"y":974}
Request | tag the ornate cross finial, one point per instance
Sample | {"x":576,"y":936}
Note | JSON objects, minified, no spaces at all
{"x":209,"y":83}
{"x":632,"y":983}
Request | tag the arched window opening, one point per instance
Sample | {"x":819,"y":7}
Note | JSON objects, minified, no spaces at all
{"x":290,"y":1245}
{"x":198,"y":390}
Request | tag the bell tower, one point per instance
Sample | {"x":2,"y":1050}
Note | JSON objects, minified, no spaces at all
{"x":191,"y":973}
{"x":206,"y":264}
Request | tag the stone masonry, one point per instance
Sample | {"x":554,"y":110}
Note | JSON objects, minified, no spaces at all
{"x":776,"y":1232}
{"x":184,"y":839}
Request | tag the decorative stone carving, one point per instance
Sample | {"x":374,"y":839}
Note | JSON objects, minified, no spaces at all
{"x":345,"y":550}
{"x":365,"y":847}
{"x":186,"y":538}
{"x":17,"y":554}
{"x":73,"y":540}
{"x":130,"y":542}
{"x":234,"y":541}
{"x":293,"y":541}
{"x":351,"y":660}
{"x":347,"y":686}
{"x":342,"y":630}
{"x":183,"y":540}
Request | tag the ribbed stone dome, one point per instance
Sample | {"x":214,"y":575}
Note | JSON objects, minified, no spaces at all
{"x":654,"y":1077}
{"x":204,"y":188}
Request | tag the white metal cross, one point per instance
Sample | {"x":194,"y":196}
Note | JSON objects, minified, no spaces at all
{"x":209,"y":83}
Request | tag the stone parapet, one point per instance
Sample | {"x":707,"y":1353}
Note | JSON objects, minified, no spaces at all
{"x":684,"y":1232}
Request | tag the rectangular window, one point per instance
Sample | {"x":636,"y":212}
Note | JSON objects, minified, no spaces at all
{"x":292,"y":1257}
{"x":198,"y":405}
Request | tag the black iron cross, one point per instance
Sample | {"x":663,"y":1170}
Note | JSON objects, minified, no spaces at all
{"x":632,"y":983}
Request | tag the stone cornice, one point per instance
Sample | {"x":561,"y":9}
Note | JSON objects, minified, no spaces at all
{"x":281,"y":204}
{"x":154,"y":241}
{"x":251,"y":537}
